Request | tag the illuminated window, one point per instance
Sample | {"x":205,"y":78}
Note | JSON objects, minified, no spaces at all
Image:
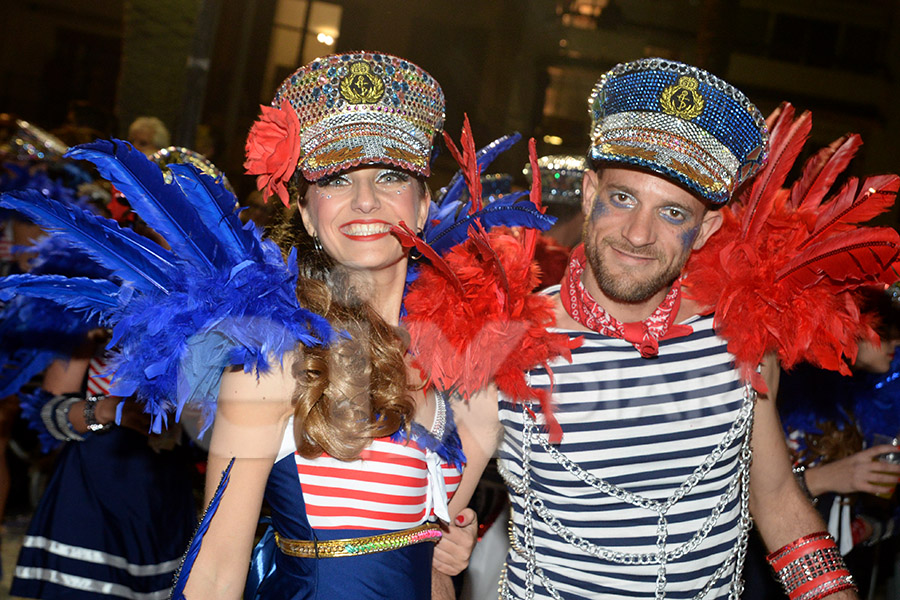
{"x":581,"y":14}
{"x":317,"y":25}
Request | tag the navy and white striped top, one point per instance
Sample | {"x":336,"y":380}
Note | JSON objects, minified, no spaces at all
{"x":644,"y":425}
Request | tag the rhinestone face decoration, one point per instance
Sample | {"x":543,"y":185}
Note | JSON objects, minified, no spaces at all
{"x":678,"y":121}
{"x":363,"y":108}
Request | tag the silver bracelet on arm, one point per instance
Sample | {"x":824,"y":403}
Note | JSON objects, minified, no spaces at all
{"x":55,"y":416}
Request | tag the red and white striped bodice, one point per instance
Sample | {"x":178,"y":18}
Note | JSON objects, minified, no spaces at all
{"x":393,"y":485}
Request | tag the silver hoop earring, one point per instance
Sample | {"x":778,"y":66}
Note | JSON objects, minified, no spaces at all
{"x":317,"y":245}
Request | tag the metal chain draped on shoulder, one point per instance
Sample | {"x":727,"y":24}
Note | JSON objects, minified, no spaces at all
{"x":740,"y":483}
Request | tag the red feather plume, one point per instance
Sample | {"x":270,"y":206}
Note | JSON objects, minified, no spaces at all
{"x":822,"y":169}
{"x":783,"y":272}
{"x":468,"y":162}
{"x":493,"y":329}
{"x":472,"y":316}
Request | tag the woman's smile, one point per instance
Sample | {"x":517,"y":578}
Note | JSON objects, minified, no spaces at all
{"x":365,"y":229}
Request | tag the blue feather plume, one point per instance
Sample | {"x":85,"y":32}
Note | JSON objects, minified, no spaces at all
{"x":234,"y":317}
{"x":224,"y":297}
{"x":130,"y":256}
{"x":162,"y":205}
{"x":76,"y":293}
{"x":216,"y":207}
{"x":510,"y":210}
{"x":450,"y":217}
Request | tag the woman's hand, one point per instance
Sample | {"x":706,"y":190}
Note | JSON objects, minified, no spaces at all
{"x":452,"y":553}
{"x":860,"y":472}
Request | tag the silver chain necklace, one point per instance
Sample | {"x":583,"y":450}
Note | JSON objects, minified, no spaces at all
{"x":740,"y":483}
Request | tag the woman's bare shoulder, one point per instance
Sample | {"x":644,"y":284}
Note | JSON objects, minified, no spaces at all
{"x":275,"y":383}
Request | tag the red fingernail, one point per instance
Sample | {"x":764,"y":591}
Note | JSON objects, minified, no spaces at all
{"x":460,"y":519}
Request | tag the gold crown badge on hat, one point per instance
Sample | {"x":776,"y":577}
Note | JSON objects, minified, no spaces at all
{"x":679,"y":121}
{"x":346,"y":110}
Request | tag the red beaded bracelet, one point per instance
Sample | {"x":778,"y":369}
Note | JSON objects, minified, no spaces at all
{"x":811,"y":567}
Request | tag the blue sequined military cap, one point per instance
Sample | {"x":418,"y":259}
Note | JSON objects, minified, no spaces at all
{"x":561,"y":176}
{"x":678,"y":121}
{"x":363,"y":108}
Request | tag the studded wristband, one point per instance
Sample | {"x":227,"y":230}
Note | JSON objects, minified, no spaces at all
{"x":90,"y":419}
{"x":811,"y":567}
{"x":800,"y":475}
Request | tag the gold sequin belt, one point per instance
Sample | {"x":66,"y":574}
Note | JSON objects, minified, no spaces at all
{"x":427,"y":532}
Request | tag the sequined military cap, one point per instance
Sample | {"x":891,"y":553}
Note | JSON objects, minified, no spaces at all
{"x":182,"y":155}
{"x":678,"y":121}
{"x":28,"y":142}
{"x":363,"y":108}
{"x":561,"y":176}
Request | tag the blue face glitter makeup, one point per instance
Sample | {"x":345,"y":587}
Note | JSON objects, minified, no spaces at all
{"x":688,"y":237}
{"x":599,"y":209}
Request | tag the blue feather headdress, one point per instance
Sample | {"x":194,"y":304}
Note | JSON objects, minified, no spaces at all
{"x":221,"y":296}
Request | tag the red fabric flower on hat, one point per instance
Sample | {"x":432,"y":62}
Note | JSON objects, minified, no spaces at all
{"x":273,"y":150}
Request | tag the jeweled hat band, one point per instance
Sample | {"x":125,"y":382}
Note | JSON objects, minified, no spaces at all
{"x":348,"y":140}
{"x":363,"y":108}
{"x":679,"y":121}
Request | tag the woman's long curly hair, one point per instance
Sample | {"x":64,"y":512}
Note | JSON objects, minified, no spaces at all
{"x":357,"y":389}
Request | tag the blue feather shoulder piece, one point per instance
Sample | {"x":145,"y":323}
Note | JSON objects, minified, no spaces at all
{"x":222,"y":296}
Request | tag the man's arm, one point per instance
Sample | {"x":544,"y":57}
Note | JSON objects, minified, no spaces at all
{"x":781,"y":510}
{"x":441,"y":586}
{"x":478,"y":423}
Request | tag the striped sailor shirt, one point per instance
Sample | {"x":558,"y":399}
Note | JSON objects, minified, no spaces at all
{"x":644,"y":425}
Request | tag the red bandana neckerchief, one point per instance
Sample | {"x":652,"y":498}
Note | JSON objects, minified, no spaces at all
{"x":645,"y":335}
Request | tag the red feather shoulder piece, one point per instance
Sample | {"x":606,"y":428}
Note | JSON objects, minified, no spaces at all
{"x":473,"y":317}
{"x":783,"y":272}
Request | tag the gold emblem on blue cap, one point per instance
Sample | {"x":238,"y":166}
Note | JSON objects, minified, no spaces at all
{"x":680,"y":122}
{"x":361,"y":86}
{"x":682,"y":99}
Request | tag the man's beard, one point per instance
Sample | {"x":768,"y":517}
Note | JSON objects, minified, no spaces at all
{"x":622,"y":289}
